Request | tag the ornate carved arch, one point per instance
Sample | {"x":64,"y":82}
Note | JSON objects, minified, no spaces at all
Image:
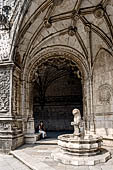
{"x":56,"y":52}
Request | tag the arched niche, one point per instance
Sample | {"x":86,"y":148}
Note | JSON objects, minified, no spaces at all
{"x":57,"y":90}
{"x":103,"y":92}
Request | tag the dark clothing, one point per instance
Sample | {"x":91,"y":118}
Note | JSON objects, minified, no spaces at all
{"x":41,"y":127}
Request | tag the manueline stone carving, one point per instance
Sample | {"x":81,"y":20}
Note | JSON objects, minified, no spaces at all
{"x":4,"y":46}
{"x":4,"y":90}
{"x":105,"y":93}
{"x":4,"y":126}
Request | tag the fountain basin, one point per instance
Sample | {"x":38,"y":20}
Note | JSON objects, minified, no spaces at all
{"x":80,"y":148}
{"x":74,"y":145}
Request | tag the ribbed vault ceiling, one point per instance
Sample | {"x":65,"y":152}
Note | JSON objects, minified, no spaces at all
{"x":83,"y":25}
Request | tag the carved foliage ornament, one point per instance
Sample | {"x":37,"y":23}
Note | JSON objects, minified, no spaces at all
{"x":4,"y":90}
{"x":105,"y":93}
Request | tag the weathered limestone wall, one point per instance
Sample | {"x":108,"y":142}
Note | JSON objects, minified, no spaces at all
{"x":79,"y":34}
{"x":103,"y":93}
{"x":11,"y":124}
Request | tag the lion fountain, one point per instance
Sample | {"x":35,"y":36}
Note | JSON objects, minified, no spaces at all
{"x":80,"y":148}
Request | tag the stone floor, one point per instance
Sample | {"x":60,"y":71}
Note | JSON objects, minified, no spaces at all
{"x":8,"y":162}
{"x":38,"y":157}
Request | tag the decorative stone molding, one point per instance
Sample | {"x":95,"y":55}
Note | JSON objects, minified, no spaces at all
{"x":4,"y":46}
{"x":16,"y":127}
{"x":15,"y":91}
{"x":5,"y":126}
{"x":56,"y":52}
{"x":4,"y":90}
{"x":105,"y":94}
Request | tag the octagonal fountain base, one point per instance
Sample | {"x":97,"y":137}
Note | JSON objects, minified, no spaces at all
{"x":80,"y":148}
{"x":81,"y":160}
{"x":76,"y":150}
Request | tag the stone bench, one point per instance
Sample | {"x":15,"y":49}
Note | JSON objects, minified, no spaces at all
{"x":38,"y":136}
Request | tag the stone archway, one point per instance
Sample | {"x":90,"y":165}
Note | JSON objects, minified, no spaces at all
{"x":72,"y":57}
{"x":57,"y":90}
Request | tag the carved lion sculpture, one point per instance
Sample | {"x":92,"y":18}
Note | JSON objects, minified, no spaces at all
{"x":77,"y":116}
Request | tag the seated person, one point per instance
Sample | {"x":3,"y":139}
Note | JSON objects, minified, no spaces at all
{"x":42,"y":129}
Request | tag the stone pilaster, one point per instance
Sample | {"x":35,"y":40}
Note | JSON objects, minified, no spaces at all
{"x":10,"y":127}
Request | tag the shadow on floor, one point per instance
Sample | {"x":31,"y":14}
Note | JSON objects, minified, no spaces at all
{"x":54,"y":134}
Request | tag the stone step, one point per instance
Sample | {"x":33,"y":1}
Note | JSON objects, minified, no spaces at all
{"x":47,"y":142}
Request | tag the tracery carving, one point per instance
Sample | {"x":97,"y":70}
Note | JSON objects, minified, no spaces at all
{"x":4,"y":90}
{"x":105,"y":94}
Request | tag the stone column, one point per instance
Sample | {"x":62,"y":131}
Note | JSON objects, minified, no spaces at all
{"x":5,"y":107}
{"x":11,"y":132}
{"x":30,"y":136}
{"x":90,"y":87}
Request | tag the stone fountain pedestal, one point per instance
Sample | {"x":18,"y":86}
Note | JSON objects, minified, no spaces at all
{"x":80,"y":148}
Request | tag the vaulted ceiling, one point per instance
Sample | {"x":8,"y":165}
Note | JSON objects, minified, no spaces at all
{"x":84,"y":25}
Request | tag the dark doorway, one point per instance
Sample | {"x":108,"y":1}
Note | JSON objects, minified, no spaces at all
{"x":57,"y":91}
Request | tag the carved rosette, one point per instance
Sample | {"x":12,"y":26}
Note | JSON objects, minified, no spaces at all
{"x":98,"y":13}
{"x":105,"y":94}
{"x":4,"y":90}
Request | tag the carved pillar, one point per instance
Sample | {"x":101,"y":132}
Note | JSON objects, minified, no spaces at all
{"x":10,"y":126}
{"x":30,"y":136}
{"x":90,"y":117}
{"x":5,"y":108}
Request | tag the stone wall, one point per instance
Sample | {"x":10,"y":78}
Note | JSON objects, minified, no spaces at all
{"x":80,"y":31}
{"x":103,"y":93}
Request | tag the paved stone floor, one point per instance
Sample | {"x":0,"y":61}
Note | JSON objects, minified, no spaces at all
{"x":38,"y":157}
{"x":8,"y":162}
